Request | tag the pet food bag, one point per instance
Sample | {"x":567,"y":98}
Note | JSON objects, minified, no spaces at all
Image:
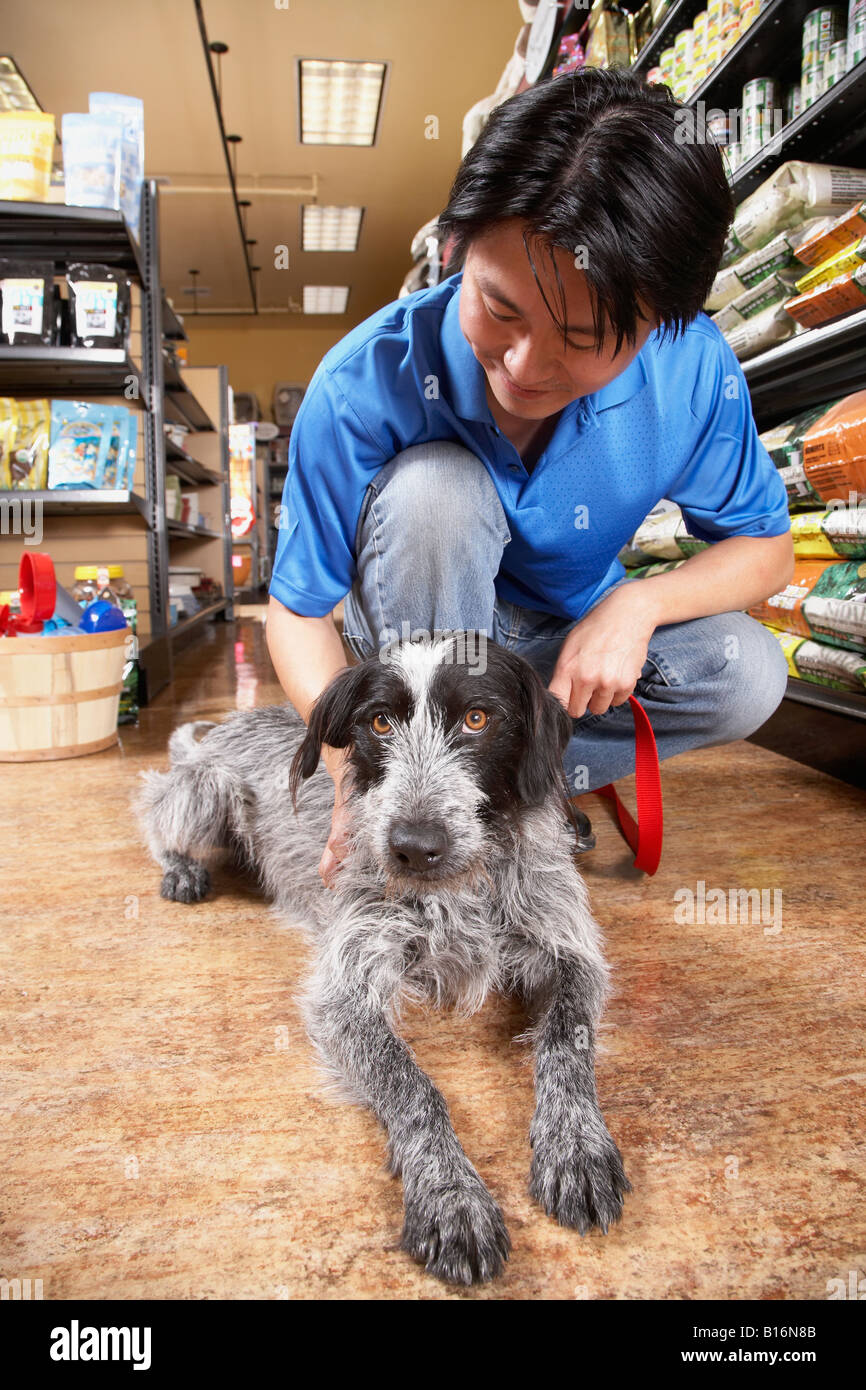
{"x":838,"y":532}
{"x":662,"y":537}
{"x":26,"y":149}
{"x":793,"y":193}
{"x":842,"y":296}
{"x":99,"y":300}
{"x":80,"y":436}
{"x":820,"y":663}
{"x":26,"y":302}
{"x":834,"y":452}
{"x":8,"y":430}
{"x":784,"y":444}
{"x":91,"y":159}
{"x":776,"y":258}
{"x":771,"y":326}
{"x":25,"y":466}
{"x":825,"y":600}
{"x":130,"y":111}
{"x":829,"y":237}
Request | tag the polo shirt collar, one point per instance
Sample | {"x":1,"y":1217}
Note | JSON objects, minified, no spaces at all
{"x":467,"y":379}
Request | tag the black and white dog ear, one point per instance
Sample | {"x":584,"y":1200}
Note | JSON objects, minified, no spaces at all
{"x":547,"y":729}
{"x":330,"y":722}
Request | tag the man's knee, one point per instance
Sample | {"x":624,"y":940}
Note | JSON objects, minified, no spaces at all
{"x":439,"y":487}
{"x":753,"y":681}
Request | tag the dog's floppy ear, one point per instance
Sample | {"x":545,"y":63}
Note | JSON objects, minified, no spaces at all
{"x":330,"y":722}
{"x":547,"y":729}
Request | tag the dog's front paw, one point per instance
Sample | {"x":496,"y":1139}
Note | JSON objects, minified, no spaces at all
{"x":457,"y":1231}
{"x":185,"y":882}
{"x":582,"y":1183}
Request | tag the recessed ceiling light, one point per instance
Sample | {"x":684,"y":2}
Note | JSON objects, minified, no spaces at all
{"x":15,"y":95}
{"x":325,"y":299}
{"x":340,"y":101}
{"x":330,"y":228}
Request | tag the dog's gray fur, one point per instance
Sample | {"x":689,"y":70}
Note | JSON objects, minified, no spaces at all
{"x":511,"y":915}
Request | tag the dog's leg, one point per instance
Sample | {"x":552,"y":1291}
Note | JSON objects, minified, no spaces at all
{"x":577,"y":1173}
{"x":183,"y":812}
{"x":451,"y":1223}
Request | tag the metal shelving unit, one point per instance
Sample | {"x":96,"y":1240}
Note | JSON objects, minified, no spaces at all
{"x":61,"y":234}
{"x":824,"y":727}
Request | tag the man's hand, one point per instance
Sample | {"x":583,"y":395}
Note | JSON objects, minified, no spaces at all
{"x":601,"y":659}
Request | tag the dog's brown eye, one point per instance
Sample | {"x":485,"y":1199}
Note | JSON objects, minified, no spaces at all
{"x":474,"y":720}
{"x":381,"y":723}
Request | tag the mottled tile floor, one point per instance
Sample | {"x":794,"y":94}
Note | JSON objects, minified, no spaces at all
{"x":164,"y":1132}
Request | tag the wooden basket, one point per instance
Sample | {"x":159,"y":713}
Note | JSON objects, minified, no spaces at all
{"x":59,"y":695}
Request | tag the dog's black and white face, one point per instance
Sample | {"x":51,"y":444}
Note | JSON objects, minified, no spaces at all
{"x":444,"y":750}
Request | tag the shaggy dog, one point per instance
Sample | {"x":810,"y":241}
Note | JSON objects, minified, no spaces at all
{"x":459,"y":879}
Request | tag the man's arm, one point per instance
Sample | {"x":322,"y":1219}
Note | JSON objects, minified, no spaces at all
{"x":306,"y":653}
{"x":728,"y":576}
{"x":602,"y":657}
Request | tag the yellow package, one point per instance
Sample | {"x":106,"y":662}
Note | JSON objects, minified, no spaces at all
{"x":28,"y":460}
{"x":839,"y":264}
{"x":8,"y":429}
{"x":608,"y":44}
{"x":26,"y":149}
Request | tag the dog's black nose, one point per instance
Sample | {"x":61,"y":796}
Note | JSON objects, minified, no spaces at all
{"x":418,"y":844}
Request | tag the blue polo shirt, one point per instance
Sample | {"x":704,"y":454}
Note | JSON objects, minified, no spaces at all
{"x":677,"y":423}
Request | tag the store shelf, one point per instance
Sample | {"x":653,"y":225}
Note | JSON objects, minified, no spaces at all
{"x":184,"y":531}
{"x":55,"y":232}
{"x":680,"y":16}
{"x":84,"y":501}
{"x":172,"y":327}
{"x":836,"y":701}
{"x":813,"y":367}
{"x":831,"y":130}
{"x":772,"y":43}
{"x":187,"y":625}
{"x":180,"y":403}
{"x":188,"y":469}
{"x":65,"y":369}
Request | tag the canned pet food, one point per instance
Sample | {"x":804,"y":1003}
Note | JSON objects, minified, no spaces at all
{"x":856,"y":32}
{"x":666,"y":63}
{"x":761,"y":91}
{"x":835,"y":63}
{"x":812,"y":86}
{"x":821,"y":29}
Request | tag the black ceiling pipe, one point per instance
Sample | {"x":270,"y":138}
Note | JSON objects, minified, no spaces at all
{"x":219,"y":115}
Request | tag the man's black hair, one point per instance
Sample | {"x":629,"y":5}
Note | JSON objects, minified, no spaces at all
{"x":616,"y":173}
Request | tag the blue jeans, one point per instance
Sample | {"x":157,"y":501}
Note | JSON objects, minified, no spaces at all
{"x":429,"y":544}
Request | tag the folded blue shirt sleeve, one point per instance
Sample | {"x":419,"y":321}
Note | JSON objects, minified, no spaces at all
{"x":332,"y":457}
{"x":729,"y":485}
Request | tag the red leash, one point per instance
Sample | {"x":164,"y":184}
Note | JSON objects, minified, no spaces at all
{"x":644,"y":835}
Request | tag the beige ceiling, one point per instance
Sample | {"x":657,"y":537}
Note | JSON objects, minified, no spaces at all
{"x":443,"y":56}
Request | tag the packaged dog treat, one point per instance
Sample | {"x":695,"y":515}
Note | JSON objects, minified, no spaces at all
{"x":834,"y":451}
{"x":26,"y":302}
{"x":794,"y":192}
{"x":80,"y":435}
{"x":825,"y":600}
{"x":25,"y":466}
{"x":836,"y":299}
{"x":608,"y":43}
{"x":99,"y":299}
{"x":820,"y":663}
{"x":91,"y":159}
{"x":8,"y":430}
{"x":130,"y":111}
{"x":771,"y":290}
{"x":830,"y":534}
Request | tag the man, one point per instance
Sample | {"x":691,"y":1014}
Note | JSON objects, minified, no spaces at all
{"x":477,"y":454}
